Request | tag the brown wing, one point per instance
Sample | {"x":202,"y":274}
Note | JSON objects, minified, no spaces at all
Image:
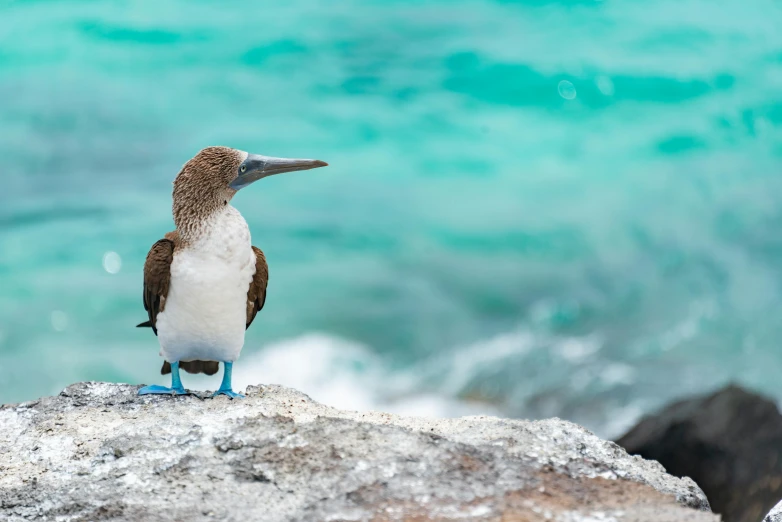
{"x":256,"y":294}
{"x":157,"y":276}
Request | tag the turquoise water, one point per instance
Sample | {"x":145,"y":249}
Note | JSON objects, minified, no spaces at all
{"x":532,"y":208}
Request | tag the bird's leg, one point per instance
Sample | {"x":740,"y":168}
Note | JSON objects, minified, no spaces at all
{"x":176,"y":385}
{"x":225,"y":386}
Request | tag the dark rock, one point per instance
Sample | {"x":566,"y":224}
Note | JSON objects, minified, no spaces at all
{"x":729,"y":442}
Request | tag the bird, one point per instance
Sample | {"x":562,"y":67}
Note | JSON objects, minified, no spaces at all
{"x":204,"y":282}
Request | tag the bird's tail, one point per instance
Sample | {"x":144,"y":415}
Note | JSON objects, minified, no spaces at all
{"x":207,"y":367}
{"x":145,"y":324}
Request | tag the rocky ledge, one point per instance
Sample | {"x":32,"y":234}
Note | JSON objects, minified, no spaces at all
{"x":99,"y":452}
{"x":728,"y":441}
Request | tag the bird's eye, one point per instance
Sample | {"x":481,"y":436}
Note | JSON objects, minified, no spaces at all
{"x":244,"y":168}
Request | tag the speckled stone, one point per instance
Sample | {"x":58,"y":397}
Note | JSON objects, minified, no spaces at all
{"x":99,"y":452}
{"x":775,"y":515}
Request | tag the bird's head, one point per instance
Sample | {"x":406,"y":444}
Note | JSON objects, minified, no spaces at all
{"x":213,"y":176}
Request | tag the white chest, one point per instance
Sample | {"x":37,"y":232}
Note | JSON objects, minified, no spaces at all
{"x":205,"y":312}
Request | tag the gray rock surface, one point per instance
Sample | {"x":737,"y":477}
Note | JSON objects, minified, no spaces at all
{"x":99,"y":452}
{"x":775,"y":515}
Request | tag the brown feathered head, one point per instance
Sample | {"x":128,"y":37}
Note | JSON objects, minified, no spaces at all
{"x":209,"y":180}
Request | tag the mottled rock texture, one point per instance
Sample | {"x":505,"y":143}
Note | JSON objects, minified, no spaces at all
{"x":730,"y":442}
{"x":775,"y":515}
{"x":99,"y":452}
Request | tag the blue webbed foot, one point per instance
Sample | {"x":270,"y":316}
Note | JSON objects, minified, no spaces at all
{"x":230,"y":393}
{"x":225,"y":386}
{"x":176,"y":385}
{"x":155,"y":389}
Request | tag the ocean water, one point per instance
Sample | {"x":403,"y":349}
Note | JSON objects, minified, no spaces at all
{"x":533,"y":207}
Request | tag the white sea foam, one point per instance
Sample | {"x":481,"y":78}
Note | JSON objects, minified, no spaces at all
{"x":331,"y":370}
{"x":345,"y":374}
{"x":462,"y":381}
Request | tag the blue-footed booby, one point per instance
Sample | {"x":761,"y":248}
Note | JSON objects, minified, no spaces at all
{"x":205,"y":282}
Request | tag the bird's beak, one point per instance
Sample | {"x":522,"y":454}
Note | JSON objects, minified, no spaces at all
{"x":256,"y":167}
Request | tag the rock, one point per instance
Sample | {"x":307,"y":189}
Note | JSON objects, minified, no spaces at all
{"x":730,"y":442}
{"x":100,"y":452}
{"x":775,"y":515}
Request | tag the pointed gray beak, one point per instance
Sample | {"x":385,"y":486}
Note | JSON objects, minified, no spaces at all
{"x":256,"y":167}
